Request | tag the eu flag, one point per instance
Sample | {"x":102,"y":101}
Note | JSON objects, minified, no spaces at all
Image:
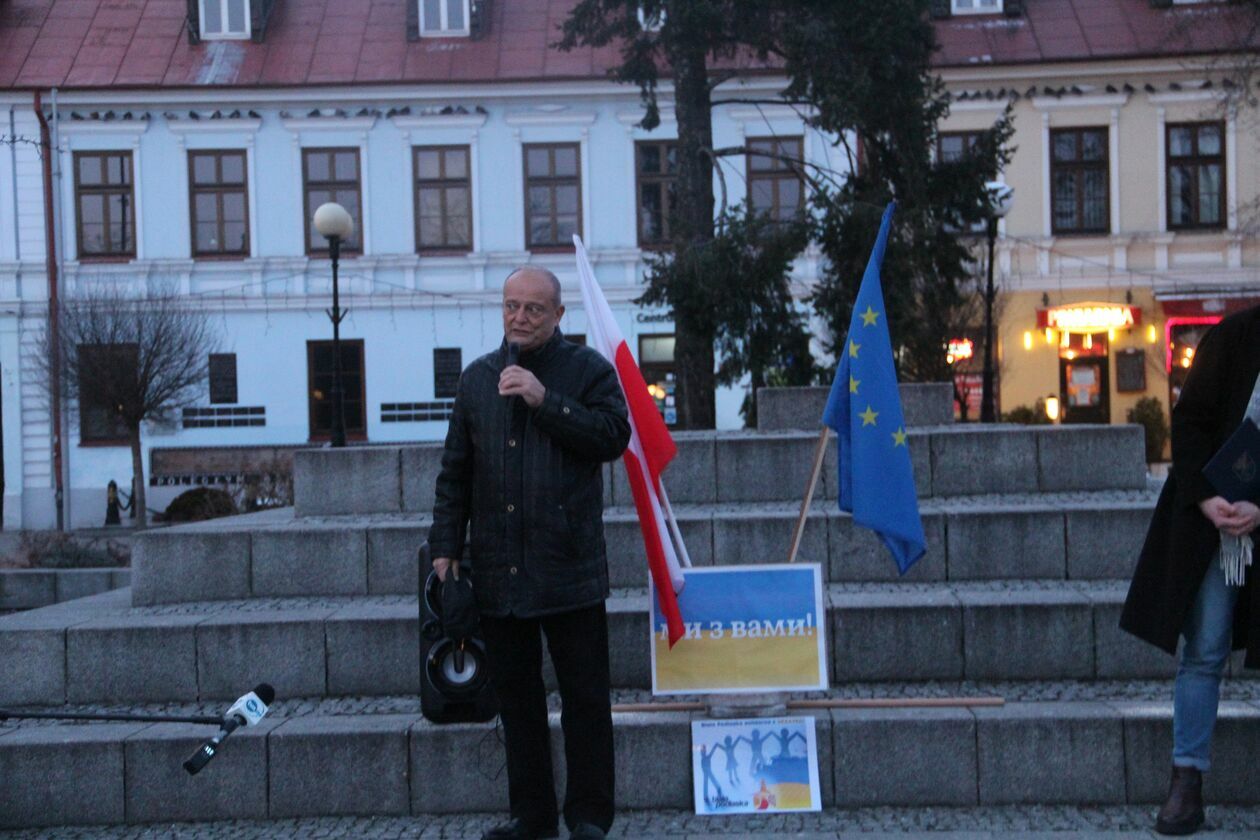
{"x":864,"y":409}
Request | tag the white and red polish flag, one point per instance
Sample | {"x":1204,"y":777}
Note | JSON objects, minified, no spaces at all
{"x":650,"y":451}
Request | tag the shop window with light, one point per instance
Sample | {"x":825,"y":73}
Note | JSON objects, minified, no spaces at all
{"x":319,"y":378}
{"x":105,"y":202}
{"x":976,"y":7}
{"x":443,"y":18}
{"x":1196,"y":175}
{"x":553,"y":195}
{"x":1083,"y":378}
{"x":443,"y":199}
{"x":224,"y":19}
{"x":1079,"y":181}
{"x":775,"y":185}
{"x":656,"y":361}
{"x":1183,"y":337}
{"x":656,"y":170}
{"x":218,"y":204}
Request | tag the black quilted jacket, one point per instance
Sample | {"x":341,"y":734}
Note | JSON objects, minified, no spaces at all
{"x":527,"y":483}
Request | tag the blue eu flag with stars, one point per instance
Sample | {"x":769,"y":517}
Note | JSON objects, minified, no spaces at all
{"x":864,"y":409}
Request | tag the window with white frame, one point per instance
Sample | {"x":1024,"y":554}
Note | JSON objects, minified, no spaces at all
{"x":976,"y":7}
{"x":224,"y":19}
{"x":443,"y":18}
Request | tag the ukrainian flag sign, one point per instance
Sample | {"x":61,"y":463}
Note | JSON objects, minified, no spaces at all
{"x":748,"y":628}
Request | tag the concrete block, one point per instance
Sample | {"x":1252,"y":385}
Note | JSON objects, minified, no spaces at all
{"x":752,"y":536}
{"x":763,"y":467}
{"x":653,"y":746}
{"x":1077,"y":457}
{"x":374,"y":650}
{"x":186,"y":564}
{"x":26,"y":589}
{"x":780,"y":409}
{"x":282,"y":647}
{"x":628,"y":642}
{"x":120,"y":578}
{"x":1050,"y":753}
{"x":976,"y":460}
{"x":1034,"y":634}
{"x":355,"y":479}
{"x":63,"y":775}
{"x":233,"y":787}
{"x":393,"y":567}
{"x":1148,"y":752}
{"x":691,"y":477}
{"x":309,"y":561}
{"x":1012,"y":543}
{"x":32,"y":665}
{"x":1118,"y":655}
{"x":900,"y":635}
{"x":627,"y":561}
{"x":927,"y":403}
{"x":333,"y":766}
{"x":457,"y":767}
{"x":857,"y":554}
{"x":420,"y":468}
{"x":1104,"y":544}
{"x":129,"y":659}
{"x":881,"y":755}
{"x":80,"y":583}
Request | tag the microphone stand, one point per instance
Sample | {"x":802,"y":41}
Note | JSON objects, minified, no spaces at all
{"x":203,"y":719}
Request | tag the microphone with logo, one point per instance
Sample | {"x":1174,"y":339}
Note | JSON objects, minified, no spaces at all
{"x":246,"y":711}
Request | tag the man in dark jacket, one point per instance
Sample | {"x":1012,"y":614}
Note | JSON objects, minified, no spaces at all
{"x":1180,"y":587}
{"x":522,"y":469}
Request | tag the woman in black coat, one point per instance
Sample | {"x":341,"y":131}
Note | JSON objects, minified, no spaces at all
{"x":1179,"y":588}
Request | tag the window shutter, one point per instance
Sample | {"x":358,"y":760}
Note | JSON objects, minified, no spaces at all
{"x":413,"y":20}
{"x":194,"y":22}
{"x":940,"y":9}
{"x":1013,"y":8}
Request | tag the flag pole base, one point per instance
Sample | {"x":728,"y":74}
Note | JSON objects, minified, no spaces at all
{"x":764,"y":704}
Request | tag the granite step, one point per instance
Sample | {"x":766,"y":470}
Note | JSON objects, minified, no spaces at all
{"x":750,"y":466}
{"x":101,"y":649}
{"x":26,"y":589}
{"x":1077,"y":536}
{"x":394,"y":762}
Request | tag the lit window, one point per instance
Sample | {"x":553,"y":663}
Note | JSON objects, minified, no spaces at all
{"x":443,"y":18}
{"x":976,"y":7}
{"x":224,"y":19}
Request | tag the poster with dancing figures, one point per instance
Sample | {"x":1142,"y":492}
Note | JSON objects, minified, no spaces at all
{"x":755,"y":765}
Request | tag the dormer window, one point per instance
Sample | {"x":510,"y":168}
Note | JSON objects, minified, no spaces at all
{"x":976,"y":7}
{"x":443,"y":18}
{"x":224,"y":19}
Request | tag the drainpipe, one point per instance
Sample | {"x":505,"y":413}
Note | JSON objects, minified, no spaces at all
{"x":48,"y":151}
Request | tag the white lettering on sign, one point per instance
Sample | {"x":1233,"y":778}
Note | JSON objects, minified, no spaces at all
{"x":1090,"y":318}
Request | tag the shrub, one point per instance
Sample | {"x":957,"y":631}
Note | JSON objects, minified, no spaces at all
{"x":1028,"y":416}
{"x":58,"y":550}
{"x":1148,"y":413}
{"x":198,"y":504}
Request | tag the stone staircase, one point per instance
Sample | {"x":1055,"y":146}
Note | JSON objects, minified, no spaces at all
{"x":1032,"y":532}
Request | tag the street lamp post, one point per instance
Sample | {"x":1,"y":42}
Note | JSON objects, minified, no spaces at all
{"x":1000,"y":198}
{"x":334,"y":223}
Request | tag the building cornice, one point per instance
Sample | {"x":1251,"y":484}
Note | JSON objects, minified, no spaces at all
{"x":244,"y":125}
{"x":411,"y":122}
{"x":1101,"y":100}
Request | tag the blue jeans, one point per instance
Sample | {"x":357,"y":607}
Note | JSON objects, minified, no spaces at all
{"x":1208,"y":631}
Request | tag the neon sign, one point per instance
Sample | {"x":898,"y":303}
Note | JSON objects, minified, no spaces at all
{"x":1088,"y":318}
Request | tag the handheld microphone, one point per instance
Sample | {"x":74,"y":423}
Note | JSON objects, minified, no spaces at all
{"x":513,"y":353}
{"x":246,"y":711}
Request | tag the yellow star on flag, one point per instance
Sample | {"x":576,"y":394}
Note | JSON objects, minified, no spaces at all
{"x":899,"y":437}
{"x":869,"y":317}
{"x":853,"y":385}
{"x":868,"y":416}
{"x":853,"y":348}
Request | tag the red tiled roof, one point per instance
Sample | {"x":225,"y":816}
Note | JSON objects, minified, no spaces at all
{"x":143,"y":43}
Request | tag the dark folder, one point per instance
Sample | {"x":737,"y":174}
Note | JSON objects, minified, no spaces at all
{"x":1235,"y":470}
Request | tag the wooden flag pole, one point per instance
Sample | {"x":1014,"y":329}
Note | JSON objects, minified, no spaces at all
{"x":820,"y":451}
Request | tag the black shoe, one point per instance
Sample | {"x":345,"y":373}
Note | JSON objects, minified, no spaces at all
{"x":586,"y":831}
{"x":516,"y":829}
{"x":1182,"y":811}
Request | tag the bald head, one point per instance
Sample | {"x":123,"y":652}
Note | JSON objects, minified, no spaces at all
{"x":531,"y":307}
{"x":538,"y":271}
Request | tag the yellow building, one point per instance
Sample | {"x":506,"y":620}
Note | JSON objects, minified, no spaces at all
{"x":1136,"y":191}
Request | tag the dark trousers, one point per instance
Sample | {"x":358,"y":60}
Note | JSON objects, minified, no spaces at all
{"x":578,"y":644}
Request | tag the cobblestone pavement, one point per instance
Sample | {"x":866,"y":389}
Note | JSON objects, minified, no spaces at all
{"x":1246,"y":689}
{"x":1027,"y":822}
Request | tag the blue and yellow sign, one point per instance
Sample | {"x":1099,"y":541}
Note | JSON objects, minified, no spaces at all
{"x":749,"y":628}
{"x":751,"y":766}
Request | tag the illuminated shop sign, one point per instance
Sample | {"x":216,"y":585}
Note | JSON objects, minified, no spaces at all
{"x":959,"y":349}
{"x":1089,"y":317}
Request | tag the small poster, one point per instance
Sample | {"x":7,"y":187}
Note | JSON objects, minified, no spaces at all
{"x":755,"y":765}
{"x":747,"y":628}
